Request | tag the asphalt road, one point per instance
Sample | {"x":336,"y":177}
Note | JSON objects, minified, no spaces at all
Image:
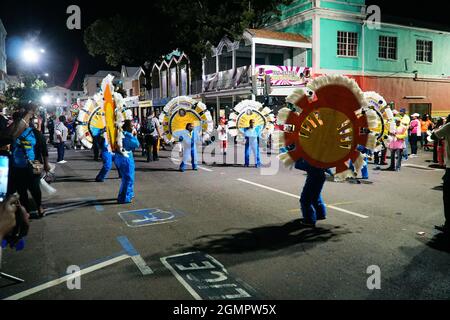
{"x":243,"y":219}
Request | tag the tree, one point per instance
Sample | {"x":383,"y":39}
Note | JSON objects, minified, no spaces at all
{"x":121,"y":39}
{"x":29,"y":90}
{"x":187,"y":25}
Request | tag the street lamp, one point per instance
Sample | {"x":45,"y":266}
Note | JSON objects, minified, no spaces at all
{"x":46,"y":99}
{"x":30,"y":56}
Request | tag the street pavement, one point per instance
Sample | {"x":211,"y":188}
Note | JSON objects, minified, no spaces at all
{"x":241,"y":220}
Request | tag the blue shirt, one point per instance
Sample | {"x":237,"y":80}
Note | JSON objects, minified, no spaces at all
{"x":189,"y":139}
{"x":252,"y":133}
{"x":130,"y":142}
{"x":28,"y":140}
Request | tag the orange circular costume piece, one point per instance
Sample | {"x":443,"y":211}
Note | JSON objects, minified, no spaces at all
{"x":329,"y":128}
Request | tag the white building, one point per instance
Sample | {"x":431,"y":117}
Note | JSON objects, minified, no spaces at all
{"x":133,"y":81}
{"x":61,"y":97}
{"x":92,"y":82}
{"x":2,"y":57}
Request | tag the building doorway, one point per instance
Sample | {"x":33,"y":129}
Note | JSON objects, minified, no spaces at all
{"x":420,"y":108}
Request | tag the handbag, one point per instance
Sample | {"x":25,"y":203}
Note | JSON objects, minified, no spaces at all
{"x":35,"y":166}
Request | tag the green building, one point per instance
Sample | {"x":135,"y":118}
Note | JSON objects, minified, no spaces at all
{"x":408,"y":63}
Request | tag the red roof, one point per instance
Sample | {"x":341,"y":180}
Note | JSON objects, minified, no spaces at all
{"x":276,"y":35}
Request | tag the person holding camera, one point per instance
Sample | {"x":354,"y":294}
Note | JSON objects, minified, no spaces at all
{"x":26,"y":168}
{"x":439,"y":134}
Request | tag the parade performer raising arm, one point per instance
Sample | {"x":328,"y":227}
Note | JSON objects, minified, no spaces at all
{"x":125,"y":164}
{"x":189,"y":139}
{"x":252,"y":135}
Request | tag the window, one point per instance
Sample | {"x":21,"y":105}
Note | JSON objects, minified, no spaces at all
{"x":347,"y":44}
{"x":387,"y":48}
{"x":424,"y":51}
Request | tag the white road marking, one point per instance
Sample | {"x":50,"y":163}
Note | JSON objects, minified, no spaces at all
{"x":200,"y":167}
{"x":180,"y":278}
{"x":298,"y":197}
{"x":56,"y":282}
{"x":142,"y":265}
{"x":420,"y":167}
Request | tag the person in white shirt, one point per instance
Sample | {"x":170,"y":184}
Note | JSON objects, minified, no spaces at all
{"x":61,"y":133}
{"x":222,"y":132}
{"x":154,"y":135}
{"x":444,"y":133}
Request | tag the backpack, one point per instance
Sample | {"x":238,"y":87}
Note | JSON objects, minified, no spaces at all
{"x":151,"y":126}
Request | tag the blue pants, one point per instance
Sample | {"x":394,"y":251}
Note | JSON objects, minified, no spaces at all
{"x":251,"y":145}
{"x":406,"y":151}
{"x":364,"y":169}
{"x":311,"y":202}
{"x":126,"y":168}
{"x":107,"y":166}
{"x":60,"y":148}
{"x":189,"y":153}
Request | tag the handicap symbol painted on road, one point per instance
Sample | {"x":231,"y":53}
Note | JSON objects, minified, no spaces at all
{"x":147,"y":217}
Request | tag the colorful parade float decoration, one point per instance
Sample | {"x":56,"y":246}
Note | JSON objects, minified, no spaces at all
{"x":386,"y":123}
{"x":183,"y":110}
{"x":104,"y":115}
{"x":327,"y":124}
{"x":251,"y":110}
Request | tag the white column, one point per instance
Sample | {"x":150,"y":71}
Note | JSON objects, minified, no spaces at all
{"x":253,"y":71}
{"x":234,"y":59}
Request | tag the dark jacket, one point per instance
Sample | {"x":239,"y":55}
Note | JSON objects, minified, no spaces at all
{"x":40,"y":149}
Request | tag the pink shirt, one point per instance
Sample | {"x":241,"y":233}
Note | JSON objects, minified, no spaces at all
{"x":396,"y":143}
{"x":415,"y":126}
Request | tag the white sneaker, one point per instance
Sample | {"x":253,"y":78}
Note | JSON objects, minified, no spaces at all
{"x":62,"y":162}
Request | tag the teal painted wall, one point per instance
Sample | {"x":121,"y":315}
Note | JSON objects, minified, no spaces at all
{"x":406,"y":49}
{"x":346,"y":5}
{"x":296,"y":7}
{"x":328,"y":45}
{"x":299,"y":6}
{"x":304,"y":28}
{"x":309,"y":62}
{"x":406,"y":42}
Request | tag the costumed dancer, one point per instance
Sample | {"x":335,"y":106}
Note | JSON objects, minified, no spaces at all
{"x":365,"y":168}
{"x":311,"y":202}
{"x":308,"y":144}
{"x":125,"y":164}
{"x":222,"y":131}
{"x":406,"y":120}
{"x":107,"y":158}
{"x":189,"y":139}
{"x":252,"y":135}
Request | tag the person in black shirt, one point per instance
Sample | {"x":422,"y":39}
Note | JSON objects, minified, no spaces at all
{"x":51,"y":128}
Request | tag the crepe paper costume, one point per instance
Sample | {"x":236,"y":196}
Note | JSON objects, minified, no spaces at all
{"x":329,"y":120}
{"x":181,"y":111}
{"x":251,"y":110}
{"x":104,"y":114}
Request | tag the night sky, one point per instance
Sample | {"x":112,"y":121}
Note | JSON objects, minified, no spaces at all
{"x":46,"y":21}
